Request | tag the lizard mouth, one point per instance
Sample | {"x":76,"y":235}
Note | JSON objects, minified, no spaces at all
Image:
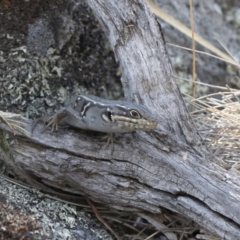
{"x":136,"y":124}
{"x":146,"y":125}
{"x":127,"y":122}
{"x":154,"y":124}
{"x":110,"y":117}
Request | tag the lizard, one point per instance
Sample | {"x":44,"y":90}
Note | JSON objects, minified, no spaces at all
{"x":93,"y":113}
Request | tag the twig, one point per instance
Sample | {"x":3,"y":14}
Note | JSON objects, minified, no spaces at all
{"x":99,"y":217}
{"x":193,"y":55}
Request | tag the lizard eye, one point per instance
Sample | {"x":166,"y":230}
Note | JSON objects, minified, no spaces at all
{"x":135,"y":114}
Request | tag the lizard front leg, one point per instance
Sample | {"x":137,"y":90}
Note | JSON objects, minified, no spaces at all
{"x":55,"y":119}
{"x":109,"y":138}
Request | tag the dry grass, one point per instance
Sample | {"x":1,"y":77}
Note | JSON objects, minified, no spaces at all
{"x":14,"y":123}
{"x":217,"y":117}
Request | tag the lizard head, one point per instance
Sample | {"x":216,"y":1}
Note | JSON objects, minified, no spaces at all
{"x":113,"y":116}
{"x":130,"y":117}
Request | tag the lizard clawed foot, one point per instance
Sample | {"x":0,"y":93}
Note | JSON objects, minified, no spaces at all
{"x":54,"y":121}
{"x":110,"y":141}
{"x":51,"y":121}
{"x":109,"y":138}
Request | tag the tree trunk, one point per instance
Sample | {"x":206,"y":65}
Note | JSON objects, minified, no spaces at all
{"x":170,"y":167}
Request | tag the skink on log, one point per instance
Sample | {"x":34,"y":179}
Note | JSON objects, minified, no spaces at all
{"x":96,"y":114}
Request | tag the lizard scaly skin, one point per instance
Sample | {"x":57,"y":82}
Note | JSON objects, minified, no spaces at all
{"x":96,"y":114}
{"x":89,"y":112}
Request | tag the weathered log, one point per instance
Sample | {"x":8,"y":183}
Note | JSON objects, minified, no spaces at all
{"x":170,"y":167}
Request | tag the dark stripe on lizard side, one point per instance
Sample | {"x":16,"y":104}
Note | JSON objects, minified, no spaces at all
{"x":81,"y":105}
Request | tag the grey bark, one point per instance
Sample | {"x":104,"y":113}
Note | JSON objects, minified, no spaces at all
{"x":170,"y":167}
